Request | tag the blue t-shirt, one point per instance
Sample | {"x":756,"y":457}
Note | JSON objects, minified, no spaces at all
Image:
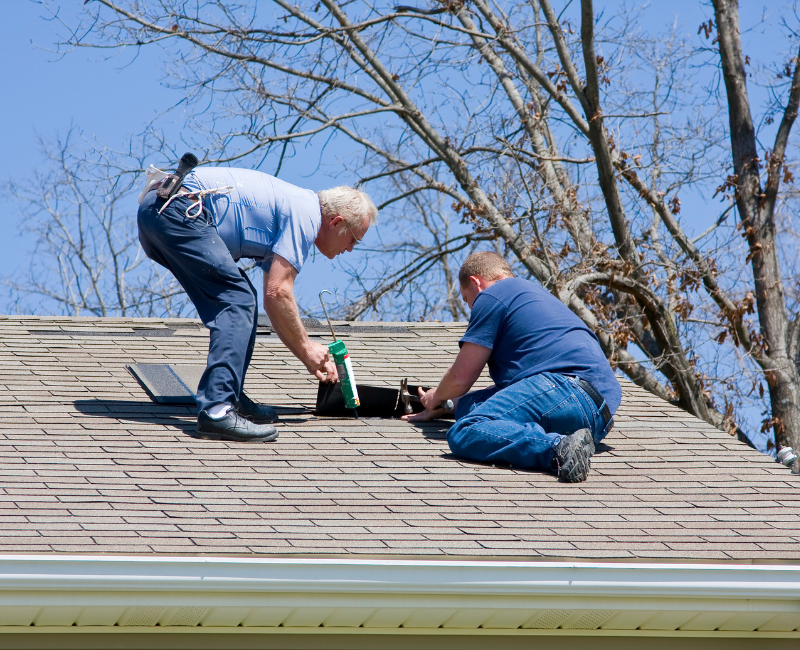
{"x":262,"y":215}
{"x":530,"y":331}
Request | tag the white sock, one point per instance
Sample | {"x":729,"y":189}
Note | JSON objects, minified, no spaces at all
{"x":218,"y":411}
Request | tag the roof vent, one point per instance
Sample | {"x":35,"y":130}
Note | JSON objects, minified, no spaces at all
{"x":168,"y":384}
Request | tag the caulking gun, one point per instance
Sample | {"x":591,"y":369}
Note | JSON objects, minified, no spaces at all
{"x":341,"y":358}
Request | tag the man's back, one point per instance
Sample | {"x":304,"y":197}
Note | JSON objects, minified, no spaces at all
{"x":261,"y":214}
{"x":530,"y":331}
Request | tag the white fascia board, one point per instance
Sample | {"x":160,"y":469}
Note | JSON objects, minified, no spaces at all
{"x":218,"y":578}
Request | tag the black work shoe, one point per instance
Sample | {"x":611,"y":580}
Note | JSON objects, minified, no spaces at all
{"x":254,"y":411}
{"x":233,"y":426}
{"x":572,"y":456}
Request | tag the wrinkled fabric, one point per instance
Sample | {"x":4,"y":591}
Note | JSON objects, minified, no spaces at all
{"x":521,"y":425}
{"x":530,"y":331}
{"x":262,"y":215}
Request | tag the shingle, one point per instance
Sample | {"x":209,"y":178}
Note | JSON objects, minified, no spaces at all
{"x":89,"y":463}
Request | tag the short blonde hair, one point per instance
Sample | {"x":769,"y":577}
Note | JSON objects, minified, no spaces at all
{"x":486,"y":264}
{"x":350,"y":204}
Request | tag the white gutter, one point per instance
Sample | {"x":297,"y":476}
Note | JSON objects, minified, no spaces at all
{"x":61,"y":572}
{"x":626,"y":595}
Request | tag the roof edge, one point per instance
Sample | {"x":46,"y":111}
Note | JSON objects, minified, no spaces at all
{"x":120,"y":593}
{"x":64,"y":573}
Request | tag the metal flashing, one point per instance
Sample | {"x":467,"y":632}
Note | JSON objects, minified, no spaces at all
{"x":168,"y":384}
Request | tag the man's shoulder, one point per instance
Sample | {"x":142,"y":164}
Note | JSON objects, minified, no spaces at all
{"x":502,"y":294}
{"x":524,"y":298}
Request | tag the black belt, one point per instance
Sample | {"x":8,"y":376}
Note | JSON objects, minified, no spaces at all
{"x":597,"y":398}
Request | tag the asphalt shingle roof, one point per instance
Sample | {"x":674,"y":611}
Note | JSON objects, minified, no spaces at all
{"x":89,"y":464}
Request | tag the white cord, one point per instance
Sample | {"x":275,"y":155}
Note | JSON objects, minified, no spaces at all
{"x":198,"y":202}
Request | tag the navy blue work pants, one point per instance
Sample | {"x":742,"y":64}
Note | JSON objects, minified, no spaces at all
{"x":226,"y":300}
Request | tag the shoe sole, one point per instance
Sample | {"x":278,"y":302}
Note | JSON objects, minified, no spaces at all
{"x":574,"y":471}
{"x":218,"y":436}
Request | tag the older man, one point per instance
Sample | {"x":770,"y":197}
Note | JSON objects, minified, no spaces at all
{"x":224,"y":214}
{"x":554,"y":392}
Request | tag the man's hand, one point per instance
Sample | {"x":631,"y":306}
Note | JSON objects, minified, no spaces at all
{"x":320,"y":364}
{"x":433,"y":409}
{"x":428,"y":399}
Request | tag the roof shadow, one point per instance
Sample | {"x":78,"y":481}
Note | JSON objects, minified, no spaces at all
{"x":493,"y":465}
{"x":600,"y":448}
{"x":137,"y":411}
{"x":435,"y":429}
{"x":172,"y":414}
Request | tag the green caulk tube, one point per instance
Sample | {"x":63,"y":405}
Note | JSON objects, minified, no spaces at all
{"x":338,"y":350}
{"x":341,"y":358}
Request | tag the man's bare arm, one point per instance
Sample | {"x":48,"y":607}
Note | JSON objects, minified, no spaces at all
{"x":458,"y":379}
{"x":280,"y":305}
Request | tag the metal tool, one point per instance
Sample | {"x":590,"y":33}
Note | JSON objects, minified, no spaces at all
{"x":408,"y":398}
{"x":173,"y":182}
{"x":341,"y":358}
{"x":325,"y":309}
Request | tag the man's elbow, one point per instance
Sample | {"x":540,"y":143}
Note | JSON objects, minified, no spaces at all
{"x":277,"y":294}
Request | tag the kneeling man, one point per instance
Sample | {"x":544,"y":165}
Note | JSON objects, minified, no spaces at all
{"x":554,"y":392}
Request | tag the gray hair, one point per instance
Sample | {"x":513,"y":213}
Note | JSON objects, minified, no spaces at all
{"x":349,"y":203}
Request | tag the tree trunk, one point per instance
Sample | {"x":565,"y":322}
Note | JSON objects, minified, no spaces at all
{"x":758,"y":227}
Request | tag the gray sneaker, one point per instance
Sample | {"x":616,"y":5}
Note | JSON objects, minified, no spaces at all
{"x":233,"y":426}
{"x":572,"y":456}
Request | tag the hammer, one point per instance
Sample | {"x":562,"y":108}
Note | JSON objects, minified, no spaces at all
{"x":172,"y":183}
{"x":408,"y":398}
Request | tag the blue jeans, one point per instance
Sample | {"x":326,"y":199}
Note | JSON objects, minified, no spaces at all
{"x":225,"y":299}
{"x":522,"y":424}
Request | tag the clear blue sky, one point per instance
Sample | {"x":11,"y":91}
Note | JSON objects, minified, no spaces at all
{"x":45,"y":93}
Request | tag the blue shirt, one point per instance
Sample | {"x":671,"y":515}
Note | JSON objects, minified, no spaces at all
{"x":262,"y":215}
{"x":530,"y":331}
